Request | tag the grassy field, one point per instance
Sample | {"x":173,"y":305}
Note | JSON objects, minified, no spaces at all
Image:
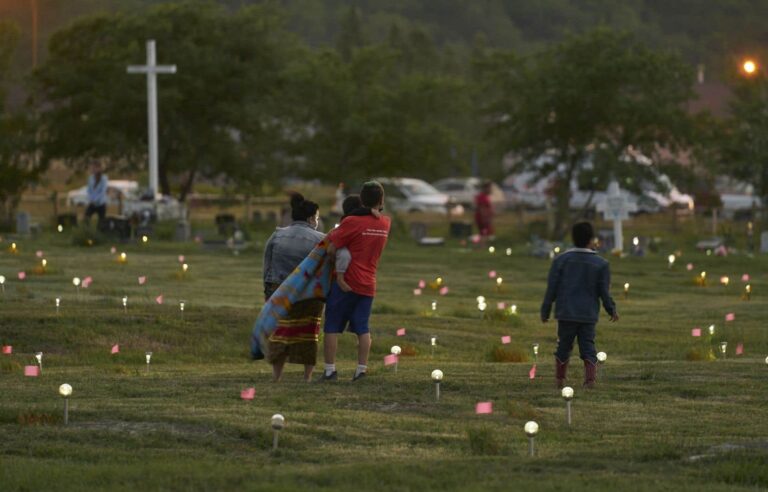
{"x":657,"y":421}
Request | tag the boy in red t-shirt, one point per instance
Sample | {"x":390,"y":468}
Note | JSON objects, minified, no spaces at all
{"x":365,"y":236}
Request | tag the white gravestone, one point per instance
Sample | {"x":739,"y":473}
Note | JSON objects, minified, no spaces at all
{"x":616,"y":207}
{"x":151,"y":69}
{"x":764,"y":242}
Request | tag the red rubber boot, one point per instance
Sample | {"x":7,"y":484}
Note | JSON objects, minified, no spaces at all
{"x":590,"y":373}
{"x":560,"y":370}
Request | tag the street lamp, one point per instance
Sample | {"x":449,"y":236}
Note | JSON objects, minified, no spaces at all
{"x":749,"y":66}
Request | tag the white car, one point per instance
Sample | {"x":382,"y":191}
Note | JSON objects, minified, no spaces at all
{"x":413,"y":195}
{"x":737,"y":197}
{"x":462,"y":191}
{"x":117,"y":190}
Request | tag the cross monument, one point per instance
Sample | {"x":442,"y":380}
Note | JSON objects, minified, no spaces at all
{"x":616,"y":208}
{"x":151,"y":69}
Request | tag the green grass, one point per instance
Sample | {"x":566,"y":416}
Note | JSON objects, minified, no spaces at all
{"x":656,"y":421}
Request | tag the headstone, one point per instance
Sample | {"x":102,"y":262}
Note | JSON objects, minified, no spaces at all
{"x":183,"y":231}
{"x":764,"y":242}
{"x":616,"y":207}
{"x":710,"y":244}
{"x":116,"y":227}
{"x":23,"y":225}
{"x":226,"y":224}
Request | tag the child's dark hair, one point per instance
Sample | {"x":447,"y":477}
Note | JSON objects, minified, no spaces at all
{"x":582,"y":234}
{"x":372,"y":194}
{"x":350,"y":204}
{"x":302,"y":209}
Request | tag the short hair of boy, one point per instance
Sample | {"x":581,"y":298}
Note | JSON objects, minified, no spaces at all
{"x":351,"y":203}
{"x":582,"y":234}
{"x":372,"y":194}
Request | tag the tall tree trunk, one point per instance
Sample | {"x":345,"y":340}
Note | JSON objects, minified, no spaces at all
{"x":187,"y":187}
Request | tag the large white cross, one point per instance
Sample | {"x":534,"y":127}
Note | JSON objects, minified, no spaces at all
{"x":152,"y":69}
{"x":616,"y":207}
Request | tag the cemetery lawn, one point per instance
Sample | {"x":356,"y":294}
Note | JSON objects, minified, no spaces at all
{"x":657,"y":421}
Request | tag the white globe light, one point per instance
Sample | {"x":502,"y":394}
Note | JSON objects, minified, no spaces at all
{"x":480,"y":299}
{"x":148,"y":355}
{"x":65,"y":390}
{"x":278,"y":421}
{"x":491,"y":250}
{"x":437,"y":375}
{"x":766,"y":360}
{"x":567,"y":393}
{"x":396,"y":349}
{"x":76,"y":281}
{"x":2,"y":279}
{"x":671,"y":259}
{"x":711,"y":329}
{"x":531,"y":428}
{"x":601,"y":356}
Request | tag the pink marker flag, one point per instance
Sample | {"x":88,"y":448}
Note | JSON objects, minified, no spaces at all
{"x":22,"y":275}
{"x":401,"y":332}
{"x":87,"y":281}
{"x":159,"y":299}
{"x":745,"y":277}
{"x":730,"y":317}
{"x":689,"y":266}
{"x":390,"y":359}
{"x":181,"y":258}
{"x":532,"y":372}
{"x":506,"y":339}
{"x":7,"y":349}
{"x":484,"y":407}
{"x":739,"y":349}
{"x":417,"y":292}
{"x":115,"y":349}
{"x":39,"y":254}
{"x":443,"y":291}
{"x":31,"y":371}
{"x":492,"y":274}
{"x":142,"y":280}
{"x":422,"y":284}
{"x":248,"y":393}
{"x":113,"y":250}
{"x":501,"y":305}
{"x":696,"y":332}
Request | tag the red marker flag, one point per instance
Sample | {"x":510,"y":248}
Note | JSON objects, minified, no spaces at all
{"x":485,"y":407}
{"x":492,"y":274}
{"x":401,"y":332}
{"x":506,"y":339}
{"x":115,"y":349}
{"x":422,"y":284}
{"x":22,"y":275}
{"x":7,"y":349}
{"x":443,"y":291}
{"x":181,"y":258}
{"x":39,"y":254}
{"x":142,"y":280}
{"x":730,"y":317}
{"x":159,"y":299}
{"x":248,"y":393}
{"x":696,"y":332}
{"x":739,"y":349}
{"x":87,"y":281}
{"x":745,"y":277}
{"x":532,"y":372}
{"x":390,"y":359}
{"x":417,"y":292}
{"x":31,"y":371}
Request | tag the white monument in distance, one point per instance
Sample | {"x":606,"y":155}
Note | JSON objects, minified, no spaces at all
{"x":616,"y":207}
{"x":151,"y":69}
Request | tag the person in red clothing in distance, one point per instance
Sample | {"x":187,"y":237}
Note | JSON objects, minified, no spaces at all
{"x":365,"y":234}
{"x":484,"y":212}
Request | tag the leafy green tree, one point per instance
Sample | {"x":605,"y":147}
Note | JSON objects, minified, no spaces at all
{"x":590,"y":108}
{"x":217,"y":113}
{"x":18,"y":164}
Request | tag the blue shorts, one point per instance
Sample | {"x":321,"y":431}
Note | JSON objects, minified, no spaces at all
{"x":342,"y":308}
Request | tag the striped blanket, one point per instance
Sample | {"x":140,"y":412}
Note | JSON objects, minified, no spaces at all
{"x":310,"y":280}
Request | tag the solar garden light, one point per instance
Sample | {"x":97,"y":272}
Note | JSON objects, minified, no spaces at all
{"x":723,"y":347}
{"x":39,"y":357}
{"x":601,"y":358}
{"x":58,"y":304}
{"x":433,"y":344}
{"x":536,"y":351}
{"x":567,"y":394}
{"x":396,"y":350}
{"x":278,"y":422}
{"x":434,"y":306}
{"x":2,"y":283}
{"x":76,"y":282}
{"x":181,"y":308}
{"x":711,"y":330}
{"x":766,"y":360}
{"x":148,"y":355}
{"x":513,"y":309}
{"x":626,"y":290}
{"x":671,"y":260}
{"x":509,"y":251}
{"x":184,"y":268}
{"x":748,"y":292}
{"x":43,"y":263}
{"x":65,"y":391}
{"x":491,"y":249}
{"x":531,"y":429}
{"x":437,"y":376}
{"x":125,"y":304}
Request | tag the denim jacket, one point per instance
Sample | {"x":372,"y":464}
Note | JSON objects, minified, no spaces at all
{"x":578,"y":280}
{"x":286,"y":248}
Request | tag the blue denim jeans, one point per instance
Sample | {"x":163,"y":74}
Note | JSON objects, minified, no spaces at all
{"x":567,"y":331}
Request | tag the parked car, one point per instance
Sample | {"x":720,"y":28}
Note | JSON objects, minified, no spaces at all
{"x":737,"y":197}
{"x":462,"y":191}
{"x":126,"y":195}
{"x":413,"y":195}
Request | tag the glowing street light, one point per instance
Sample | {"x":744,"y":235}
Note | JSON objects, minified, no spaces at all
{"x":749,"y":66}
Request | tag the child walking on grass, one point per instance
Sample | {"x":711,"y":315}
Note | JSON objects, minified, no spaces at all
{"x":578,"y":281}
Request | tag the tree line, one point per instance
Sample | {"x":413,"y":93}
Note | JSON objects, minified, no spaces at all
{"x":253,"y":103}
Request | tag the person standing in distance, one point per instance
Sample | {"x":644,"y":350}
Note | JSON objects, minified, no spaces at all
{"x":97,"y":193}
